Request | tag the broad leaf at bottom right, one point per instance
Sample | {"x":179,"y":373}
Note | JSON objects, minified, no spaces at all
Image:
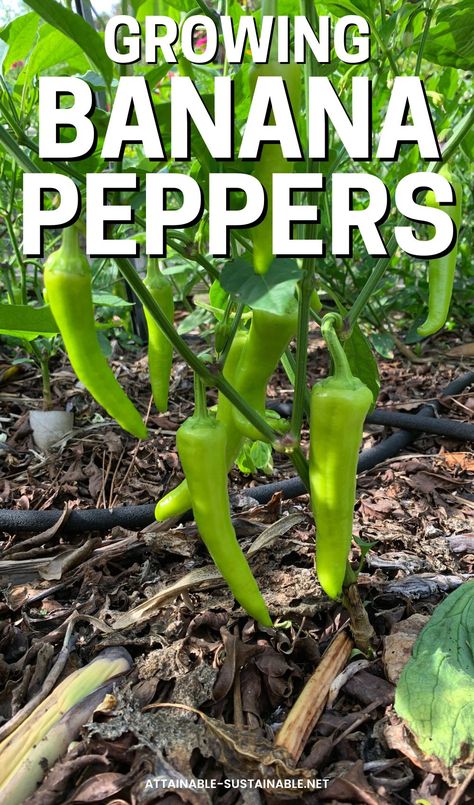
{"x":435,"y":694}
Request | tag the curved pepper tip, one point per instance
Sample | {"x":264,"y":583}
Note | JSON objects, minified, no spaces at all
{"x":428,"y":328}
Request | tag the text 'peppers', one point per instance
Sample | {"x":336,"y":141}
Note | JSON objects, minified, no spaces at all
{"x":339,"y":406}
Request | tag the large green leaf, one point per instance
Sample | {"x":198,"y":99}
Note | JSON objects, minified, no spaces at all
{"x":24,"y":321}
{"x":52,"y":48}
{"x":20,"y":36}
{"x":365,"y":8}
{"x":147,"y":8}
{"x":272,"y":291}
{"x":451,"y":42}
{"x":435,"y":694}
{"x":74,"y":27}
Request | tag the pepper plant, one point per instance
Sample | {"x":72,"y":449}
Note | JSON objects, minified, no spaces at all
{"x":261,"y":302}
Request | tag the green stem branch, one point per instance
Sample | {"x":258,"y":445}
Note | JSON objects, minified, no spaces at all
{"x":19,"y":258}
{"x":424,"y":38}
{"x":208,"y":376}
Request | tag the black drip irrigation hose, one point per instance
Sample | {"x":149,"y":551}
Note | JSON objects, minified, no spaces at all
{"x":16,"y":521}
{"x":453,"y":429}
{"x":443,"y":427}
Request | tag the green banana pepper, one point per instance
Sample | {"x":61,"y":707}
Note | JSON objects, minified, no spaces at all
{"x":67,"y":279}
{"x":178,"y":501}
{"x":338,"y":409}
{"x":201,"y":443}
{"x":272,"y":159}
{"x":160,"y":349}
{"x":441,"y":269}
{"x":269,"y":336}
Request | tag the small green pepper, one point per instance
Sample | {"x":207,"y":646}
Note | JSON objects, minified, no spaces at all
{"x":269,"y":335}
{"x":160,"y":349}
{"x":338,"y":409}
{"x":178,"y":501}
{"x":441,"y":269}
{"x":201,"y":443}
{"x":67,"y":279}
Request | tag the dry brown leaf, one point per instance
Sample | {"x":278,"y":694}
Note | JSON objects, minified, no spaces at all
{"x":398,"y":645}
{"x":461,"y":461}
{"x":463,"y":351}
{"x":243,"y":751}
{"x":397,"y":737}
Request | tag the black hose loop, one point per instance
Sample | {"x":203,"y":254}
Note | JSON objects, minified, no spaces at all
{"x":18,"y":521}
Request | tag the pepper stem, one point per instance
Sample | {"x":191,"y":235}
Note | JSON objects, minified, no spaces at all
{"x":70,"y":239}
{"x":340,"y":365}
{"x":200,"y":404}
{"x":153,"y":268}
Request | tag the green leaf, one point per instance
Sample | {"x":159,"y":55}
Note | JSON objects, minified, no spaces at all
{"x":95,"y":81}
{"x":341,"y":7}
{"x":156,"y":74}
{"x":450,"y":42}
{"x":364,"y":546}
{"x":383,"y":344}
{"x":362,"y":362}
{"x":53,"y":48}
{"x":24,"y":321}
{"x":20,"y":37}
{"x":193,"y":321}
{"x":468,"y":145}
{"x":255,"y":456}
{"x":74,"y":27}
{"x":147,"y":8}
{"x":106,"y":299}
{"x":272,"y":291}
{"x":435,"y":694}
{"x":261,"y":455}
{"x":104,"y":344}
{"x":218,"y":297}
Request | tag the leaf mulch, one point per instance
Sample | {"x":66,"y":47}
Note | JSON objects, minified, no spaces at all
{"x":209,"y":689}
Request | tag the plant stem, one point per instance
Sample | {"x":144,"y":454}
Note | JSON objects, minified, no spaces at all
{"x":289,"y":365}
{"x":370,"y":286}
{"x":19,"y":258}
{"x":225,"y":67}
{"x":200,"y":403}
{"x":340,"y":364}
{"x":16,"y":152}
{"x":460,"y":131}
{"x":187,"y":250}
{"x":306,"y":285}
{"x":424,"y":38}
{"x":43,"y":363}
{"x":209,"y":377}
{"x":383,"y":47}
{"x":361,"y":628}
{"x":301,"y":465}
{"x":306,"y":288}
{"x":233,"y":330}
